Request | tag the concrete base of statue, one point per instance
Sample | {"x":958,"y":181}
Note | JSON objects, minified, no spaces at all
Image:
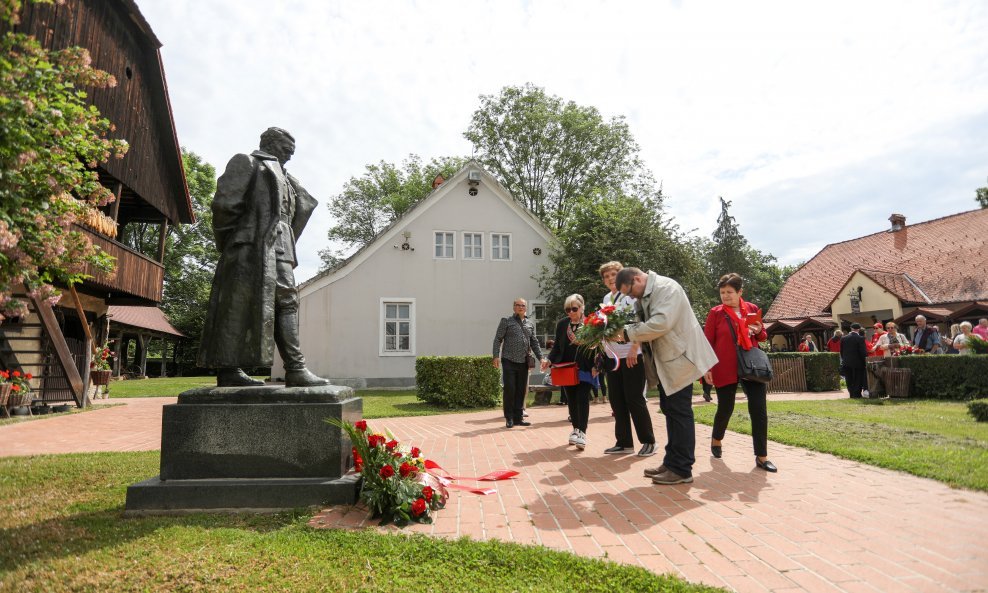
{"x":252,"y":449}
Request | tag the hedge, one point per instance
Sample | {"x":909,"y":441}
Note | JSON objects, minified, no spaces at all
{"x":822,"y":368}
{"x":458,"y":381}
{"x":979,"y":409}
{"x":948,"y":376}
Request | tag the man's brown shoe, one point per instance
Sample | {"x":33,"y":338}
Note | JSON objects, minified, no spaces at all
{"x":651,"y":472}
{"x":670,"y":477}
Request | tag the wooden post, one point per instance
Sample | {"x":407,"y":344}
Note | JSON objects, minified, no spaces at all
{"x":164,"y":357}
{"x":118,"y":361}
{"x":162,"y":235}
{"x":115,"y":209}
{"x":142,"y":353}
{"x":82,"y":318}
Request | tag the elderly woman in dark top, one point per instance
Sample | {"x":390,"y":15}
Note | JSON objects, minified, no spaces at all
{"x":565,"y":349}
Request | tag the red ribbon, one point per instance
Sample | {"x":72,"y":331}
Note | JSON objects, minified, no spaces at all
{"x":437,"y":470}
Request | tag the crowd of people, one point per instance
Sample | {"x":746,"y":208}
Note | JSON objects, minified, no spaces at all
{"x":664,"y":347}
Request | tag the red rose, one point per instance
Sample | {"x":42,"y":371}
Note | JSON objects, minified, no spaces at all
{"x":387,"y":471}
{"x":15,"y":388}
{"x":360,"y":425}
{"x":375,"y":440}
{"x":427,"y":493}
{"x":415,"y":452}
{"x":406,"y":469}
{"x":390,"y":445}
{"x":28,"y":376}
{"x":358,"y":464}
{"x":396,"y":454}
{"x":607,"y":310}
{"x":418,"y":507}
{"x":17,"y":373}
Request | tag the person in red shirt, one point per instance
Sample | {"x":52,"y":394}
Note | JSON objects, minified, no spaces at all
{"x":734,"y":317}
{"x":873,"y":348}
{"x":833,"y":345}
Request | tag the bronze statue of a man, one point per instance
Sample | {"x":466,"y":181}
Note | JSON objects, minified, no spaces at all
{"x":258,"y":214}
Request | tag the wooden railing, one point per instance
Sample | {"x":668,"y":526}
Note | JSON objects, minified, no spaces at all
{"x":789,"y":375}
{"x":136,"y":274}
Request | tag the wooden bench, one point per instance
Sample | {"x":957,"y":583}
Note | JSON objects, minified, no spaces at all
{"x":542,"y":393}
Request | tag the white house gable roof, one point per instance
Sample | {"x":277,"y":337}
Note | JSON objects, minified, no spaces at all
{"x":388,"y":235}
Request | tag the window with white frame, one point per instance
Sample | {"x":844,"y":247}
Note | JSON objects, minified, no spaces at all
{"x":397,"y":322}
{"x":543,"y":325}
{"x":444,"y":245}
{"x":473,"y":246}
{"x":500,"y":246}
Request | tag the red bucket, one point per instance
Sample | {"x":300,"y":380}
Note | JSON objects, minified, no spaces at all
{"x":565,"y":374}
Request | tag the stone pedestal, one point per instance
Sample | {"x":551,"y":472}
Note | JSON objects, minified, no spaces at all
{"x":252,"y":448}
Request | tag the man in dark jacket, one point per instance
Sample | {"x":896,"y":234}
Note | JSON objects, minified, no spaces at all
{"x":259,"y":212}
{"x":853,"y":353}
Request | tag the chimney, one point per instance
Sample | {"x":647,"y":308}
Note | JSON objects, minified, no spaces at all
{"x":898,"y":222}
{"x":439,"y":180}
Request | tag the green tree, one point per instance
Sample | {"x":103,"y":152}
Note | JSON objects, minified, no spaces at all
{"x":51,"y":141}
{"x":729,"y":251}
{"x":548,"y":153}
{"x":981,"y":196}
{"x":621,"y":228}
{"x":190,"y":260}
{"x":371,"y":202}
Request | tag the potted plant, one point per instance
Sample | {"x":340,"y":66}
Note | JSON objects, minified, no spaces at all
{"x":99,"y":368}
{"x":17,"y":386}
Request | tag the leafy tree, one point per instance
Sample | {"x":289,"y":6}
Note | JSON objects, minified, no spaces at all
{"x":621,"y":228}
{"x":190,"y":259}
{"x":371,"y":202}
{"x":981,"y":196}
{"x":51,"y":141}
{"x":548,"y":153}
{"x":729,"y":251}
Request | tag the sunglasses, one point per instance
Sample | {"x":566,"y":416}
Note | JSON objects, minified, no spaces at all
{"x":571,"y":309}
{"x":520,"y":305}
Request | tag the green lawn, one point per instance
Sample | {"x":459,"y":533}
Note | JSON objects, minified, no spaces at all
{"x":61,"y":529}
{"x":929,"y":438}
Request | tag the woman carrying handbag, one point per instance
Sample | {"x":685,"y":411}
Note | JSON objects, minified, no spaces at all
{"x":580,"y":362}
{"x":732,"y":326}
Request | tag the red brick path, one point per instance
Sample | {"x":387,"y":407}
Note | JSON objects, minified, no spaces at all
{"x":820,"y":524}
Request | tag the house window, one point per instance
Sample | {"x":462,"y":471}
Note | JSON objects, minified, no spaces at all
{"x":397,"y":322}
{"x":444,"y":245}
{"x":500,"y":246}
{"x":543,"y":325}
{"x":473,"y":246}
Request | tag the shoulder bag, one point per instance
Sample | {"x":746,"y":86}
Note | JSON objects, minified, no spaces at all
{"x":753,"y":365}
{"x":529,"y":359}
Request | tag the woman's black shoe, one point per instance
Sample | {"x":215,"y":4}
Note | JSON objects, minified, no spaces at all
{"x":715,"y":451}
{"x":766,"y":465}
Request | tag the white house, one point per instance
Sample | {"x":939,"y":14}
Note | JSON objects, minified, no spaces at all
{"x":435,"y":282}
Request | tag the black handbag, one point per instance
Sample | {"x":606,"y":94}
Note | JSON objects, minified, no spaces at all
{"x":753,"y":365}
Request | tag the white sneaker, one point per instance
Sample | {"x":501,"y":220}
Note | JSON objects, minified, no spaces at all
{"x":581,"y":440}
{"x":573,"y":436}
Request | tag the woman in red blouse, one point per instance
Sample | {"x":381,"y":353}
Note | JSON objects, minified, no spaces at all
{"x":745,"y":321}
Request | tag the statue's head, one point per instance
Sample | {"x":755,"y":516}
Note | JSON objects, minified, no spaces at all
{"x":279,"y":143}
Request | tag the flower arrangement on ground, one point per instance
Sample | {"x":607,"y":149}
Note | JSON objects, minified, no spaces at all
{"x":20,"y":386}
{"x":603,"y":325}
{"x":396,"y":485}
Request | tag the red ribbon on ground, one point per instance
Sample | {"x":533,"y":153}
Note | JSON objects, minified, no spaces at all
{"x":437,"y":470}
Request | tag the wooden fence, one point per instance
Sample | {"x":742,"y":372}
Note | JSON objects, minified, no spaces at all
{"x":789,"y":375}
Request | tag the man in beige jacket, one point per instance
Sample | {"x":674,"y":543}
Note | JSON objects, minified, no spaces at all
{"x":676,"y":354}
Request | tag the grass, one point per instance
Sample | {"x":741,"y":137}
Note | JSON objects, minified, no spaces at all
{"x":61,"y":529}
{"x":929,"y":438}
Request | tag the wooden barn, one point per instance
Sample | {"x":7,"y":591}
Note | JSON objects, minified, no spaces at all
{"x":55,"y":343}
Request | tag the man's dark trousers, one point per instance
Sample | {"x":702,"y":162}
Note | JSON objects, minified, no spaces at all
{"x":855,"y":379}
{"x":626,"y":386}
{"x":680,"y":430}
{"x":515,"y":378}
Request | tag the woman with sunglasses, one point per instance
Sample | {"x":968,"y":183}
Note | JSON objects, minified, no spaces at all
{"x":565,"y":349}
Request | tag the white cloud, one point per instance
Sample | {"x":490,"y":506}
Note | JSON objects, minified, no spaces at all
{"x":725,"y":98}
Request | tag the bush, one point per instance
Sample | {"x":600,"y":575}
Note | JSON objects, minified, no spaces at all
{"x":947,"y":376}
{"x":458,"y":381}
{"x":822,"y":368}
{"x":979,"y":409}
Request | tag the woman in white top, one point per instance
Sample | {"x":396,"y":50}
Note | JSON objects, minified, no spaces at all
{"x":892,"y":340}
{"x":961,"y":341}
{"x":626,"y":379}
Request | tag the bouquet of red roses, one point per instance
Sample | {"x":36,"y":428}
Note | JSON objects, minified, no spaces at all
{"x":395,"y":484}
{"x":602,"y":326}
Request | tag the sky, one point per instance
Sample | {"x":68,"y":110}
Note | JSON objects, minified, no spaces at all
{"x":816,"y":120}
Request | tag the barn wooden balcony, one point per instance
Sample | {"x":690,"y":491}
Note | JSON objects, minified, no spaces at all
{"x":136,"y":274}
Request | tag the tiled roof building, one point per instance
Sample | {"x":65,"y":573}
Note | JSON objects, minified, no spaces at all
{"x":938,"y":267}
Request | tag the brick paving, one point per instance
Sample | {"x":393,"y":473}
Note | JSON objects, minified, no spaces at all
{"x":820,"y":524}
